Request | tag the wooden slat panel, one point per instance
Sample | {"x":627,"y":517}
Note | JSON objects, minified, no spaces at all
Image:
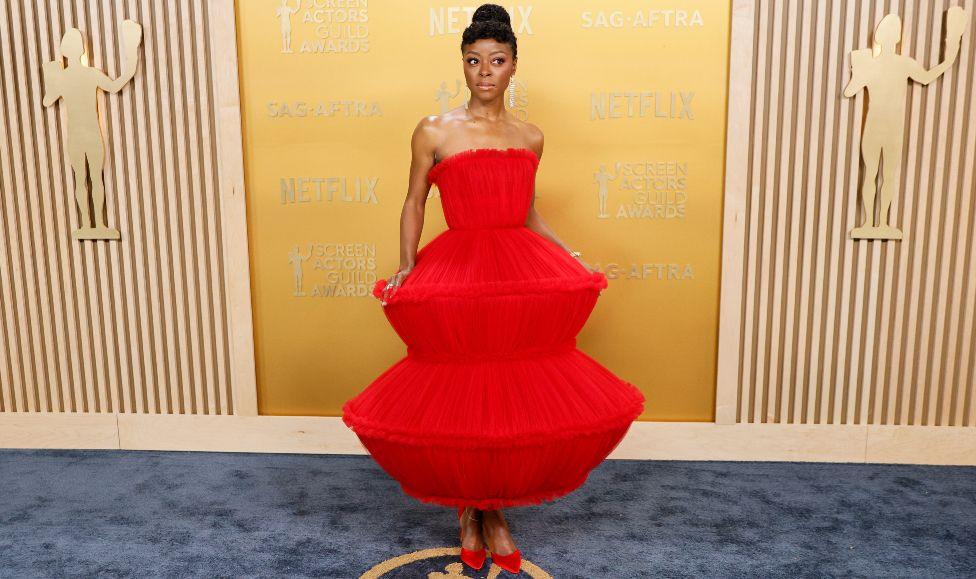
{"x":830,"y":330}
{"x":140,"y":325}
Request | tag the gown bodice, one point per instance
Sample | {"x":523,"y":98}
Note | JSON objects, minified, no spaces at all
{"x":485,"y":187}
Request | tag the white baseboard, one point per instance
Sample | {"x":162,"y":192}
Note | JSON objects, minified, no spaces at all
{"x":943,"y":445}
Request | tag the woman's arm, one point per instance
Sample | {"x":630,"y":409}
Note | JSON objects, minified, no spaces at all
{"x":533,"y":220}
{"x":422,"y":145}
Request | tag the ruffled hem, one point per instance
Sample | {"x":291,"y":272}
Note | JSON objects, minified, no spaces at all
{"x":364,"y":427}
{"x":495,"y":477}
{"x":438,"y":167}
{"x":419,"y":292}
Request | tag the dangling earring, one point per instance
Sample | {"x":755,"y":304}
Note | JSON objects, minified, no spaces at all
{"x":511,"y":92}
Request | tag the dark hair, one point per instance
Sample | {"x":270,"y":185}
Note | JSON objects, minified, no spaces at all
{"x":490,"y":21}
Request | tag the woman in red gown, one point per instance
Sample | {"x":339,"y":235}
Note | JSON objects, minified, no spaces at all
{"x":493,"y":405}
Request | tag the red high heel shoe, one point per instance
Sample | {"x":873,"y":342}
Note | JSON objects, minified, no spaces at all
{"x":475,"y":559}
{"x":511,"y":562}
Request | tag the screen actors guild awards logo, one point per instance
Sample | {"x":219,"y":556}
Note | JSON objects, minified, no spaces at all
{"x":656,"y":189}
{"x":76,"y":85}
{"x":441,"y":563}
{"x":342,"y":269}
{"x":323,"y":26}
{"x":884,"y":73}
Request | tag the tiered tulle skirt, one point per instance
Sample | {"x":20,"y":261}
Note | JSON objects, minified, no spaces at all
{"x":494,"y":405}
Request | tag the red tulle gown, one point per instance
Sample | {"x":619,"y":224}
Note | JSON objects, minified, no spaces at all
{"x":493,"y":405}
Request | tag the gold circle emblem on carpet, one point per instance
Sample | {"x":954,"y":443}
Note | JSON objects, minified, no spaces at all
{"x":426,"y":563}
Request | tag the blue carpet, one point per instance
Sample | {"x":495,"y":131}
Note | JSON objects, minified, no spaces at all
{"x":189,"y":514}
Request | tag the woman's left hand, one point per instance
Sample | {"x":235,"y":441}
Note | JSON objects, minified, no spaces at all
{"x":589,"y":269}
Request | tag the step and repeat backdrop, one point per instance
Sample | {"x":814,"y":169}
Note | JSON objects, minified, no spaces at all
{"x":631,"y":97}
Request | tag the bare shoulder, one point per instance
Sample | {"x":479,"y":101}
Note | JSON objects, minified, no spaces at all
{"x":425,"y":137}
{"x":533,"y":136}
{"x":432,"y":130}
{"x":428,"y":125}
{"x":444,"y":120}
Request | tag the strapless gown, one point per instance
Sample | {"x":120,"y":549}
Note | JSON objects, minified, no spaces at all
{"x":493,"y":404}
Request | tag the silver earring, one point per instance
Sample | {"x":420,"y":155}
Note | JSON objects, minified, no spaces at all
{"x":511,"y":92}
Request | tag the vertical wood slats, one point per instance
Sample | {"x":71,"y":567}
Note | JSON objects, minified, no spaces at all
{"x":138,"y":325}
{"x":825,"y":329}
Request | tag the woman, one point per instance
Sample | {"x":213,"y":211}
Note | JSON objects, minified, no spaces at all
{"x":493,"y":406}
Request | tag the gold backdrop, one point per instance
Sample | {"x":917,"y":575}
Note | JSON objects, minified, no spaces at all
{"x":631,"y":97}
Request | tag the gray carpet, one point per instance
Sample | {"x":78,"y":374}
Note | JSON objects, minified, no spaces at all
{"x":188,"y":514}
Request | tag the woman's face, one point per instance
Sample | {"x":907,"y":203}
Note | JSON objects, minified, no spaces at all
{"x":488,"y":66}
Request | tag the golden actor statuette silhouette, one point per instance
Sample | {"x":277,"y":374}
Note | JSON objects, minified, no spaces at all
{"x":77,"y":85}
{"x":284,"y":14}
{"x":884,"y":74}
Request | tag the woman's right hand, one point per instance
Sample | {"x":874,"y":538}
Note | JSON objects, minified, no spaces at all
{"x":394,"y":283}
{"x":589,"y":269}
